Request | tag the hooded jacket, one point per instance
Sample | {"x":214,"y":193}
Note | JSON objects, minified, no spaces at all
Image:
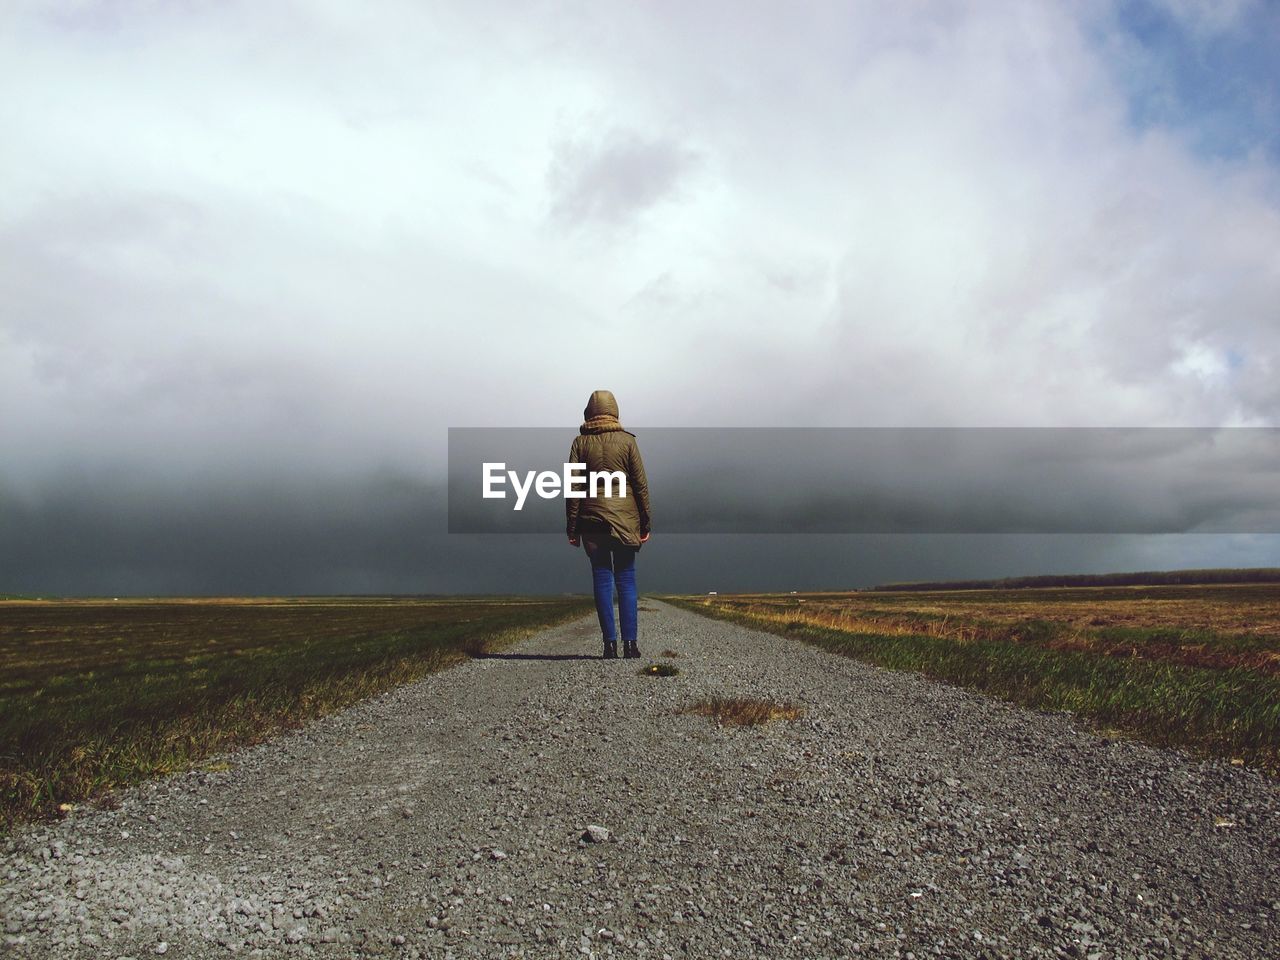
{"x":602,"y":445}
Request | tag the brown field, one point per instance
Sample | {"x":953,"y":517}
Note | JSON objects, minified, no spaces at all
{"x":1190,"y":666}
{"x":96,"y":694}
{"x":1208,"y":626}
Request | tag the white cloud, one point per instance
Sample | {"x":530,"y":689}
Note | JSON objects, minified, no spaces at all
{"x":362,"y":224}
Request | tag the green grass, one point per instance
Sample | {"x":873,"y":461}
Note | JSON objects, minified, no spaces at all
{"x":95,"y":695}
{"x":1230,"y":712}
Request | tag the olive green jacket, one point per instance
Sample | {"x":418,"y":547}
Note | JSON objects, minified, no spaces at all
{"x":602,"y":445}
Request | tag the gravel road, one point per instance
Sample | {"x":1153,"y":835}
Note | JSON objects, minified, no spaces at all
{"x":897,"y":818}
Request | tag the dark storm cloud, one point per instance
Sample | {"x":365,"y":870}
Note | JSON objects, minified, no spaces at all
{"x":119,"y":534}
{"x":111,"y":537}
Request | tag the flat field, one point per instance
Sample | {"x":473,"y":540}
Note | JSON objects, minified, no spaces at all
{"x":1191,"y":666}
{"x":96,"y":694}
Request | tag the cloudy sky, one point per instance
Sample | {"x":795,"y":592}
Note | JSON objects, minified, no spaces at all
{"x":257,"y":257}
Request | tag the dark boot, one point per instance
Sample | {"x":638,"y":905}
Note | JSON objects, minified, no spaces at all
{"x":611,"y":649}
{"x":631,"y":651}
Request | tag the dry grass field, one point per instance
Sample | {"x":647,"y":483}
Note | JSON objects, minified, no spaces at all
{"x":1194,"y":666}
{"x":95,"y":694}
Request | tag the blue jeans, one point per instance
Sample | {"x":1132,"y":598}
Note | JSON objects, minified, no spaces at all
{"x":613,"y":563}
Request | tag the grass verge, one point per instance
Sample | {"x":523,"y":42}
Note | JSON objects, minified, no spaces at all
{"x":96,"y":695}
{"x":1230,"y":712}
{"x":743,"y":711}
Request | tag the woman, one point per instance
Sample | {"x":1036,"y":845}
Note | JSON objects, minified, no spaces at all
{"x":611,"y":527}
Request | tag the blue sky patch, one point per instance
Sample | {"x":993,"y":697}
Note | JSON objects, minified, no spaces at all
{"x":1217,"y":85}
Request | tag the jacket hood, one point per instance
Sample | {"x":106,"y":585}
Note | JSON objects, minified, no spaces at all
{"x":601,"y":404}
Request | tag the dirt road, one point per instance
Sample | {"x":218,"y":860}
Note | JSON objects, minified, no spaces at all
{"x":896,"y":818}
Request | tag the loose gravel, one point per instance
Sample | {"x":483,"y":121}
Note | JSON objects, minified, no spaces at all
{"x":546,"y":803}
